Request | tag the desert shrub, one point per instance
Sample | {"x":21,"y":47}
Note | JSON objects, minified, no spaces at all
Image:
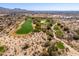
{"x":47,"y":43}
{"x":25,"y":46}
{"x":49,"y":32}
{"x":76,"y":37}
{"x":59,"y":24}
{"x":60,"y":45}
{"x":49,"y":38}
{"x":2,"y":49}
{"x":58,"y":31}
{"x":56,"y":49}
{"x":52,"y":50}
{"x":77,"y":31}
{"x":66,"y":29}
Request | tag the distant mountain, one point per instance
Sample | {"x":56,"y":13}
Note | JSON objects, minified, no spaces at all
{"x":57,"y":12}
{"x":18,"y":9}
{"x":7,"y":10}
{"x":4,"y":10}
{"x":1,"y":8}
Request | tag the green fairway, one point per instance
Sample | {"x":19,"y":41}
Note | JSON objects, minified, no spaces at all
{"x":26,"y":27}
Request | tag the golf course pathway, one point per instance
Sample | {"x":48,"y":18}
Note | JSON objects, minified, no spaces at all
{"x":72,"y":51}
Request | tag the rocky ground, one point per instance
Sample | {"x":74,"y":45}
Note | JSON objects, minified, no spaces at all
{"x":31,"y":45}
{"x":38,"y":43}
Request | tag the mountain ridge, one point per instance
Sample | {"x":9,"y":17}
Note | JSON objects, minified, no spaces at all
{"x":8,"y":10}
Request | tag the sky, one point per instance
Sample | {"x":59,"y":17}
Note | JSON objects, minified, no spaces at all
{"x":43,"y":6}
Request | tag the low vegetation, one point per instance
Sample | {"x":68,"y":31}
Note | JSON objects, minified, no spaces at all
{"x":60,"y":45}
{"x":2,"y":49}
{"x":58,"y":31}
{"x":77,"y":31}
{"x":26,"y":27}
{"x":76,"y":37}
{"x":54,"y":48}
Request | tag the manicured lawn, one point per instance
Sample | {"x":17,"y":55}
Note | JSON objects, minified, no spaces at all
{"x":26,"y":27}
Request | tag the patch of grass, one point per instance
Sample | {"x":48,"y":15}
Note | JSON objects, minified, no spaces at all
{"x":43,"y":21}
{"x":58,"y":31}
{"x":60,"y":45}
{"x":2,"y":49}
{"x":56,"y":27}
{"x":26,"y":27}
